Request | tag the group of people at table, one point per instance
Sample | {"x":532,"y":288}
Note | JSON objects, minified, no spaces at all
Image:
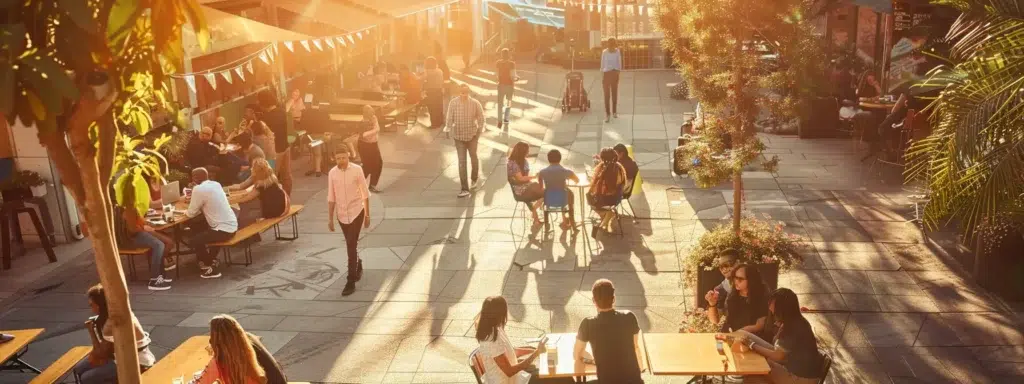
{"x":613,"y":178}
{"x":237,"y":357}
{"x":260,"y":192}
{"x":753,"y":316}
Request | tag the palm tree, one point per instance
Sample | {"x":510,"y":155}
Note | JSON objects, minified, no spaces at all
{"x":973,"y":161}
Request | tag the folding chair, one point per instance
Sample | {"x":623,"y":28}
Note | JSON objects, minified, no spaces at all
{"x":826,"y":364}
{"x":476,"y":365}
{"x":525,"y":205}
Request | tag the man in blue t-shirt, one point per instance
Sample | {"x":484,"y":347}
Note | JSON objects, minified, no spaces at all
{"x":553,"y":178}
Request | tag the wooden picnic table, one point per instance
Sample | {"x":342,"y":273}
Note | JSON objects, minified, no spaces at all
{"x":183,"y":362}
{"x":182,"y":205}
{"x":372,"y":103}
{"x":567,"y":366}
{"x":695,"y":354}
{"x":346,"y":118}
{"x":11,"y":351}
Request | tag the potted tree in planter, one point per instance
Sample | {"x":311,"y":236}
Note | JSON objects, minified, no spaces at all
{"x":23,"y":185}
{"x":760,"y":243}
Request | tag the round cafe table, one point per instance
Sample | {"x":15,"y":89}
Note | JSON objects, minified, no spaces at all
{"x":581,"y":191}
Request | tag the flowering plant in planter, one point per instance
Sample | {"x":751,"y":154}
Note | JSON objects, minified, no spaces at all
{"x":696,"y":321}
{"x":759,"y":242}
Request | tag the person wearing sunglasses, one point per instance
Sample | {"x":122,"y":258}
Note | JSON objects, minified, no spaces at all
{"x":793,"y":356}
{"x":746,"y":306}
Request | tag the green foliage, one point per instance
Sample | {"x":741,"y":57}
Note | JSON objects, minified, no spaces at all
{"x":22,"y":179}
{"x":720,"y":46}
{"x":973,"y":160}
{"x":697,"y":321}
{"x":759,"y":241}
{"x":136,"y":164}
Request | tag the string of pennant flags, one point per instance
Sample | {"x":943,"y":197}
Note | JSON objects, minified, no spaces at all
{"x":268,"y":54}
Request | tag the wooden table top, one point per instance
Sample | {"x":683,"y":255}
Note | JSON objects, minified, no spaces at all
{"x":583,"y":183}
{"x":697,"y":354}
{"x":876,"y":104}
{"x":21,"y":338}
{"x":566,"y":366}
{"x":184,"y":361}
{"x":346,"y":118}
{"x":372,"y":103}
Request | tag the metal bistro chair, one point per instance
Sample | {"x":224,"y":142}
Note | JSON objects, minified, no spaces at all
{"x":895,"y":153}
{"x":826,"y":365}
{"x":555,"y":201}
{"x":476,"y":365}
{"x":526,"y":205}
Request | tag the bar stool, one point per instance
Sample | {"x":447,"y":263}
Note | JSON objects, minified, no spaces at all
{"x":9,"y":223}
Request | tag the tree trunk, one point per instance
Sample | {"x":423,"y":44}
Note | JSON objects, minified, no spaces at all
{"x":97,"y":212}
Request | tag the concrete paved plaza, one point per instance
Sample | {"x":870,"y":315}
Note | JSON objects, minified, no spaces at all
{"x":888,"y":303}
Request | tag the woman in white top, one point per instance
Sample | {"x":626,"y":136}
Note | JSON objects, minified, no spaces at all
{"x":99,"y":366}
{"x":611,"y":65}
{"x":504,"y":363}
{"x":369,"y":151}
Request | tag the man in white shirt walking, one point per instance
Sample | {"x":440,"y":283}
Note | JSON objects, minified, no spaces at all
{"x":208,"y":198}
{"x":465,"y":121}
{"x":348,"y":201}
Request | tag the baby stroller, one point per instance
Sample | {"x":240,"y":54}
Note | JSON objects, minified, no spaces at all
{"x":574,"y":96}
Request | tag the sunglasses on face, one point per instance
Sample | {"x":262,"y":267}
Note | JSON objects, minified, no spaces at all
{"x":739,"y":278}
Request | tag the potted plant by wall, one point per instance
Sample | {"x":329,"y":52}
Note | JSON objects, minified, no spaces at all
{"x":23,"y":185}
{"x":999,"y":266}
{"x":759,"y":243}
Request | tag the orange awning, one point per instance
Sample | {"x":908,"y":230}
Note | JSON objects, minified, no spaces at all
{"x":342,"y":16}
{"x":229,"y":31}
{"x":399,"y":8}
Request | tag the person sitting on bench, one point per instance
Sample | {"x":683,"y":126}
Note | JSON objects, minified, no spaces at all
{"x":99,"y":367}
{"x":208,"y":198}
{"x":266,"y":200}
{"x":141,"y":235}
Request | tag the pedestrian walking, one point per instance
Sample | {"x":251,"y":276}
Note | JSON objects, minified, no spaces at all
{"x":433,"y":85}
{"x":611,"y":65}
{"x":506,"y":69}
{"x":465,"y":122}
{"x":369,"y":150}
{"x":348,"y":202}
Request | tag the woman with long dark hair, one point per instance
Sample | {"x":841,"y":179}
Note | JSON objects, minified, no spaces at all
{"x":746,"y":307}
{"x":794,"y":356}
{"x":523,"y":184}
{"x":606,"y":189}
{"x":369,"y":150}
{"x":99,"y":367}
{"x":234,"y":359}
{"x":611,"y":65}
{"x":504,"y":363}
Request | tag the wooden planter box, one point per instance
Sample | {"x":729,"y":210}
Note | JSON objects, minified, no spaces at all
{"x":1002,"y":270}
{"x":708,"y":280}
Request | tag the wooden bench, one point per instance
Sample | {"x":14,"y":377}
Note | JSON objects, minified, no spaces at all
{"x":253,"y":229}
{"x":401,"y":116}
{"x":60,"y":368}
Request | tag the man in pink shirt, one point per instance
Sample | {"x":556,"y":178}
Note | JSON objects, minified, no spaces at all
{"x":348,"y":201}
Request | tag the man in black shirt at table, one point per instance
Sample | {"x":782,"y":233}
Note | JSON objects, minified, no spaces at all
{"x":613,"y":336}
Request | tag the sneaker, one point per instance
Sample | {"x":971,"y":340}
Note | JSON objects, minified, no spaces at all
{"x":318,"y":174}
{"x":476,"y":184}
{"x":499,"y":124}
{"x":159,"y":284}
{"x":374,"y":189}
{"x":170,"y":265}
{"x":310,"y":173}
{"x":464,"y":193}
{"x":350,"y":288}
{"x":607,"y":119}
{"x":210,"y":272}
{"x":615,"y":115}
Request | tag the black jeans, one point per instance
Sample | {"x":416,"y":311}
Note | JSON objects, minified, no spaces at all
{"x":200,"y":239}
{"x":610,"y":86}
{"x":351,"y":232}
{"x":373,"y":163}
{"x":435,"y":106}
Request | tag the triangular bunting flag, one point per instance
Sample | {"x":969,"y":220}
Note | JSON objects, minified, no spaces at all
{"x":248,"y":67}
{"x":240,"y":72}
{"x":351,"y":39}
{"x":227,"y":76}
{"x":212,"y":79}
{"x":316,"y":43}
{"x":330,"y":43}
{"x":341,"y":40}
{"x":305,"y":44}
{"x":263,"y":56}
{"x":290,"y":45}
{"x":271,"y":54}
{"x":191,"y":82}
{"x":275,"y":48}
{"x":359,"y":35}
